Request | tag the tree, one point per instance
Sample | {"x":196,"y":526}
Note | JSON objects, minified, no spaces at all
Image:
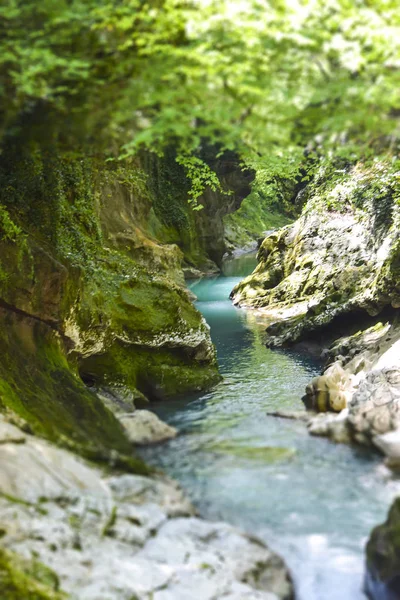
{"x":261,"y":78}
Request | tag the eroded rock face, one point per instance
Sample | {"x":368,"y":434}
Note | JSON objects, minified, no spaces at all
{"x":339,"y":258}
{"x":326,"y":278}
{"x":90,"y":295}
{"x":382,"y":580}
{"x":121,"y":537}
{"x":369,"y":367}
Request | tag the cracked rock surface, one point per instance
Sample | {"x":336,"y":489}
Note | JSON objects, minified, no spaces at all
{"x":122,"y":536}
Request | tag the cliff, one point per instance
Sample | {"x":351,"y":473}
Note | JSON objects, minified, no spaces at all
{"x":88,"y":295}
{"x":332,"y":279}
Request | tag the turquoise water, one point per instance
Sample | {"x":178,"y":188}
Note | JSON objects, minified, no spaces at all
{"x":313,"y":501}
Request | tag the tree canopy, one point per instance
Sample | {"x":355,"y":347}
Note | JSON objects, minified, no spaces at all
{"x":263,"y":78}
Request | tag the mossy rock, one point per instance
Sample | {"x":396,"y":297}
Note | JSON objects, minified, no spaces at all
{"x":38,"y":384}
{"x":158,"y":373}
{"x":383,"y":557}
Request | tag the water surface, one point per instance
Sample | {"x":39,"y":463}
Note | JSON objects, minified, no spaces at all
{"x":313,"y":501}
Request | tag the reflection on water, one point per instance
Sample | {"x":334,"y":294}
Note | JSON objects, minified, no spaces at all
{"x":313,"y":501}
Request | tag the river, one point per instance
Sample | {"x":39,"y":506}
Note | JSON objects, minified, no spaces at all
{"x":312,"y":501}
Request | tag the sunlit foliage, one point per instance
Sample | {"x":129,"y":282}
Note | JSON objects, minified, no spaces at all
{"x":262,"y":78}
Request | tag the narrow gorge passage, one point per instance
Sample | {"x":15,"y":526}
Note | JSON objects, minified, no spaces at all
{"x":313,"y":501}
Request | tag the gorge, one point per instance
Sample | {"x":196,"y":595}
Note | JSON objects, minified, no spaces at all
{"x":199,"y":300}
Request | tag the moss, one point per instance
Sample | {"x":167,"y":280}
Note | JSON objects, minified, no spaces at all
{"x":169,"y":189}
{"x":36,"y":382}
{"x":16,"y":500}
{"x":157,"y":373}
{"x":60,"y":264}
{"x":27,"y":579}
{"x":267,"y":454}
{"x":109,"y":525}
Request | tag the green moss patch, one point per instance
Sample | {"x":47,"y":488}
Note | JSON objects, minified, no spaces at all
{"x":37,"y":383}
{"x":22,"y":579}
{"x":266,"y":454}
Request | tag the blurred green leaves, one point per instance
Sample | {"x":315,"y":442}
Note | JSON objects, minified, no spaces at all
{"x":262,"y":78}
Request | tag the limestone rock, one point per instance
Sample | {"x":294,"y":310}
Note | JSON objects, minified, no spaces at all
{"x":10,"y":433}
{"x":334,"y":261}
{"x":330,"y":391}
{"x":389,"y":444}
{"x":125,"y":536}
{"x":332,"y":426}
{"x":144,"y":427}
{"x":37,"y":469}
{"x":375,"y":406}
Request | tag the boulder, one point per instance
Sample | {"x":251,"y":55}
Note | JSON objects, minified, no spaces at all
{"x":330,"y":391}
{"x":144,"y":427}
{"x":374,"y":408}
{"x":389,"y":444}
{"x":382,"y":580}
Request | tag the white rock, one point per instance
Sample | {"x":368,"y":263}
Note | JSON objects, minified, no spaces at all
{"x":389,"y":444}
{"x":122,"y":537}
{"x":37,"y":469}
{"x":144,"y":427}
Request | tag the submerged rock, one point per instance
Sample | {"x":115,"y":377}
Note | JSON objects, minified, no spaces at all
{"x":382,"y":581}
{"x":238,"y":449}
{"x":119,"y":537}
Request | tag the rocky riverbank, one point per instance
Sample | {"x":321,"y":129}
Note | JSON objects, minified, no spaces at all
{"x":332,"y":279}
{"x":71,"y":530}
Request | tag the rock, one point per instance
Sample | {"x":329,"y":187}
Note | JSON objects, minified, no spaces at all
{"x":158,"y":490}
{"x":37,"y":469}
{"x":296,"y":415}
{"x":335,"y":261}
{"x":382,"y":580}
{"x":389,"y":444}
{"x":330,"y":391}
{"x":120,"y":537}
{"x":144,"y":427}
{"x":332,"y":426}
{"x":10,"y":433}
{"x":374,"y":408}
{"x":192,"y":273}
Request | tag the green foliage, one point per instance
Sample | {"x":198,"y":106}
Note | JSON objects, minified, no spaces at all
{"x":262,"y":78}
{"x":51,"y":195}
{"x":9,"y":231}
{"x":200,"y":176}
{"x":169,"y":188}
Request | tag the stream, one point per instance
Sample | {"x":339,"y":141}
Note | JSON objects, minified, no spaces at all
{"x":313,"y":501}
